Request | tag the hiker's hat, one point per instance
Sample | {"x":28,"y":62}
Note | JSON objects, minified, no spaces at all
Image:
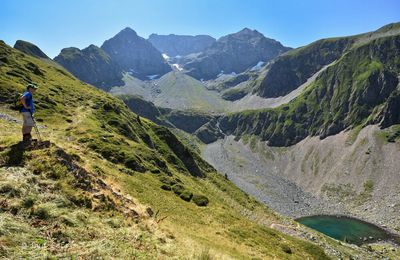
{"x":30,"y":85}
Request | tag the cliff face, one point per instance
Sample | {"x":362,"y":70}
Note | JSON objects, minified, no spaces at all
{"x":294,"y":68}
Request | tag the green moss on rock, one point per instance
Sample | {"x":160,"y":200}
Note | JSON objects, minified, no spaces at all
{"x":178,"y":189}
{"x":200,"y":200}
{"x":186,"y":195}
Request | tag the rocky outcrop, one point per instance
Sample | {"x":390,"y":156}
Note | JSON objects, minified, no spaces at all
{"x":391,"y":112}
{"x":30,"y":49}
{"x":91,"y":65}
{"x":174,"y":45}
{"x":135,"y":55}
{"x":233,"y":53}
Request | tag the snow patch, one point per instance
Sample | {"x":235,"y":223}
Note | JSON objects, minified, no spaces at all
{"x":165,"y":56}
{"x":177,"y":66}
{"x":258,"y":66}
{"x":151,"y":77}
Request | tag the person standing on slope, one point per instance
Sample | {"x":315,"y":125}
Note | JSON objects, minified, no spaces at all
{"x":27,"y":112}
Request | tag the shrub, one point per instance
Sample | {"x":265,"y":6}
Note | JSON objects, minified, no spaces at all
{"x":286,"y":249}
{"x":10,"y":190}
{"x":42,"y":213}
{"x":200,"y":200}
{"x":28,"y":202}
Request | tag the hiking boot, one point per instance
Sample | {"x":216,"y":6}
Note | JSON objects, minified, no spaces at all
{"x":27,"y":139}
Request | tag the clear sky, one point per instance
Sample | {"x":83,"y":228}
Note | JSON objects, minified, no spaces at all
{"x":56,"y":24}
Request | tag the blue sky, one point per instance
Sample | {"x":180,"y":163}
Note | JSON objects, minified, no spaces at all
{"x":53,"y":25}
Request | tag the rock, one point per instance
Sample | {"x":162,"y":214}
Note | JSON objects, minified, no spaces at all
{"x":200,"y":200}
{"x":186,"y":195}
{"x":166,"y":187}
{"x":149,"y":212}
{"x":178,"y":189}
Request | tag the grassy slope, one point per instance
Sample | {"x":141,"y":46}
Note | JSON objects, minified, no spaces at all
{"x":101,"y":156}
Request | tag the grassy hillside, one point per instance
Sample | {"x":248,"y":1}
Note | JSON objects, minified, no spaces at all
{"x":360,"y":88}
{"x":293,"y":68}
{"x":114,"y":185}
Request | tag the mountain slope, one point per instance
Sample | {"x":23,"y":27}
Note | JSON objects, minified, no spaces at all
{"x":174,"y":45}
{"x":233,"y":53}
{"x":174,"y":90}
{"x":362,"y":87}
{"x":91,"y":65}
{"x":293,"y":68}
{"x":135,"y":54}
{"x":95,"y":191}
{"x":353,"y":173}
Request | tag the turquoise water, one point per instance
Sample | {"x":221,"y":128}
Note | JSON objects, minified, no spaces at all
{"x":346,"y":229}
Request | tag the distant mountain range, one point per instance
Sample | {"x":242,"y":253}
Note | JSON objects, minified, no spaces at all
{"x":201,"y":56}
{"x":103,"y":67}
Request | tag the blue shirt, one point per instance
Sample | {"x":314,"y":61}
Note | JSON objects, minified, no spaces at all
{"x":29,"y":102}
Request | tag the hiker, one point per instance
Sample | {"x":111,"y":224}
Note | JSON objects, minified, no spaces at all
{"x":27,"y":112}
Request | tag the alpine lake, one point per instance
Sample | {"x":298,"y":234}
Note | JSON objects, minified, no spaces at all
{"x":347,"y":229}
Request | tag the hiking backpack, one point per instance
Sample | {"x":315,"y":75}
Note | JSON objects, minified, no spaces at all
{"x":17,"y":104}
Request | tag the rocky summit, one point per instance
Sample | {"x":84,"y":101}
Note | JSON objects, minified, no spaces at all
{"x":135,"y":55}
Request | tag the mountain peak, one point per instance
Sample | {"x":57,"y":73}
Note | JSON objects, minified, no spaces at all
{"x":127,"y":31}
{"x":248,"y":31}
